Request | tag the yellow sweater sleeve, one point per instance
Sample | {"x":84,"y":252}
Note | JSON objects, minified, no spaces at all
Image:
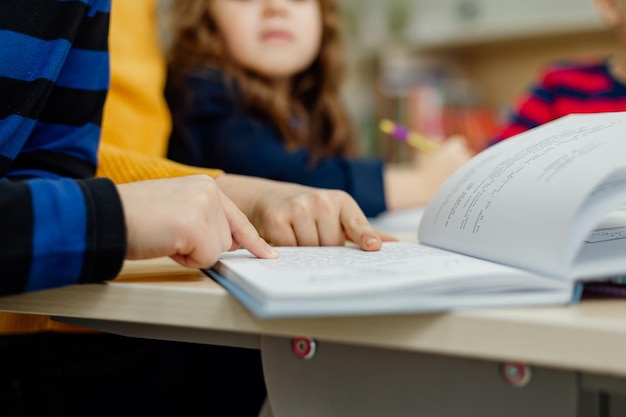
{"x":124,"y":166}
{"x":135,"y":115}
{"x":18,"y":323}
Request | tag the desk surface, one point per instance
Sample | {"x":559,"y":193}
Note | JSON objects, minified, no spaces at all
{"x":590,"y":336}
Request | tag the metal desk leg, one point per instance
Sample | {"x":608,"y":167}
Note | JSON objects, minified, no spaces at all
{"x":266,"y":410}
{"x":602,"y":396}
{"x":338,"y":380}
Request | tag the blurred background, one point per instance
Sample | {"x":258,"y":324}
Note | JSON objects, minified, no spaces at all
{"x":455,"y":66}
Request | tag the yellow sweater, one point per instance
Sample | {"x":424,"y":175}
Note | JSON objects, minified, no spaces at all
{"x":135,"y":115}
{"x":135,"y":127}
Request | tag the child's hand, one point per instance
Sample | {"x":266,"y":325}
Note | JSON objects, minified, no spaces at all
{"x":437,"y":166}
{"x":188,"y":219}
{"x":290,"y":214}
{"x":414,"y":185}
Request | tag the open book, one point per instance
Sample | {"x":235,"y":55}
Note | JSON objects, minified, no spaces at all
{"x":522,"y":223}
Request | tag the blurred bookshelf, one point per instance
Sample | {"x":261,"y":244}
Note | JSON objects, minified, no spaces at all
{"x":432,"y":97}
{"x":455,"y":66}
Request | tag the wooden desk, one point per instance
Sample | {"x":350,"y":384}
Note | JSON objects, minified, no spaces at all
{"x":403,"y":365}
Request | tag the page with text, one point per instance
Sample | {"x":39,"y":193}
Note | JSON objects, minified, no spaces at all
{"x":530,"y":201}
{"x":401,"y":277}
{"x":330,"y":271}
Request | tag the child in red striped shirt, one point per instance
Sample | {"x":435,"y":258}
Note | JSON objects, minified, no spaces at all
{"x":590,"y":86}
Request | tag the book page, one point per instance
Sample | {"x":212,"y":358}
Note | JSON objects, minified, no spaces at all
{"x":329,"y":272}
{"x":521,"y":201}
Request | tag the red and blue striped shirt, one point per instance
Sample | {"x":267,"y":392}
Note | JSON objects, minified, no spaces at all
{"x":565,"y":88}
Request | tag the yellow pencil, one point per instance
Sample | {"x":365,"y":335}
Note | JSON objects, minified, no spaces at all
{"x":403,"y":134}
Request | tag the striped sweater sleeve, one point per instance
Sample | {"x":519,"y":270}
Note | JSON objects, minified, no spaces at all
{"x":46,"y":241}
{"x":57,"y":226}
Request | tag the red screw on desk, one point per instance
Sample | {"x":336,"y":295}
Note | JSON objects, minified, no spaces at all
{"x":303,"y":347}
{"x":516,"y":374}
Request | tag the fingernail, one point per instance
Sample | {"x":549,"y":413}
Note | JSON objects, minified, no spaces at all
{"x":272,"y":251}
{"x":371,"y":241}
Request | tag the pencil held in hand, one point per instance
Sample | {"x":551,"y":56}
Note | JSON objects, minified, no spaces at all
{"x":405,"y":135}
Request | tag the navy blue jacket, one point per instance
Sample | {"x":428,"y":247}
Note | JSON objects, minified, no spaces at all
{"x":214,"y":132}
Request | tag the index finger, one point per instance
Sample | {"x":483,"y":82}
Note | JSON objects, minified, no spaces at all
{"x":244,"y":233}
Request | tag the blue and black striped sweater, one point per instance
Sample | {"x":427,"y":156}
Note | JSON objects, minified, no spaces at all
{"x":58,"y":225}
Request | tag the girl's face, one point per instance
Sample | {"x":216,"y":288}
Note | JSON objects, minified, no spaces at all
{"x":274,"y":38}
